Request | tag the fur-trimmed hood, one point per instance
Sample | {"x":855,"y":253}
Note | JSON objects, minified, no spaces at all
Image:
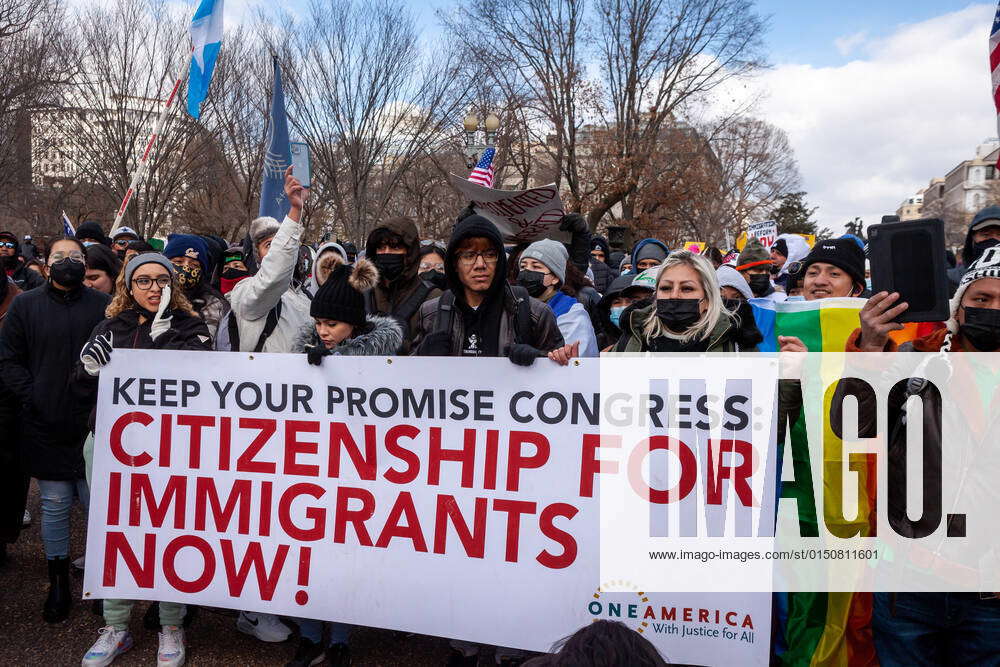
{"x":380,"y":337}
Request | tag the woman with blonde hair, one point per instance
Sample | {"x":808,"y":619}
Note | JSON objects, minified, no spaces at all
{"x":688,"y":314}
{"x":148,"y":312}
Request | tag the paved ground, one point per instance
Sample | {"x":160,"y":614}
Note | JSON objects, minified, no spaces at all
{"x":213,"y":640}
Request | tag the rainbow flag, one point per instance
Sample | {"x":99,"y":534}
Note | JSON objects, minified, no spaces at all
{"x":815,"y":629}
{"x":823,"y":325}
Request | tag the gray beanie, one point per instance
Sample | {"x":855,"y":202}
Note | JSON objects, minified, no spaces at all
{"x":550,"y":253}
{"x":146,"y":258}
{"x":730,"y":277}
{"x":262,"y":228}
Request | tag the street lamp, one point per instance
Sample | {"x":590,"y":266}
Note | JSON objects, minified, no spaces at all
{"x":472,"y":126}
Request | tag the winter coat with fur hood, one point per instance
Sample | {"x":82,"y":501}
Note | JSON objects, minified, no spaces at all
{"x":380,"y":337}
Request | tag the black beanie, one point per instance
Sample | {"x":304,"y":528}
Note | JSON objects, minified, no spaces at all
{"x":475,"y":226}
{"x":843,"y":253}
{"x":341,"y":297}
{"x":780,"y":247}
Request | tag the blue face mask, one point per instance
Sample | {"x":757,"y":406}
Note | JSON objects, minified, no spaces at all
{"x":616,"y":315}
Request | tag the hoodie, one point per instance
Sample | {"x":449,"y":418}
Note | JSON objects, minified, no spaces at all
{"x":798,"y":248}
{"x":636,"y":251}
{"x":388,"y":299}
{"x":314,"y":281}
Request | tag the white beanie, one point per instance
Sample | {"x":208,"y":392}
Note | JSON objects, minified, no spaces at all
{"x":551,"y":253}
{"x":987,"y":266}
{"x":730,"y":277}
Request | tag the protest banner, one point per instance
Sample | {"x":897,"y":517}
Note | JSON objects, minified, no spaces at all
{"x":765,"y":231}
{"x":406,"y":493}
{"x":520,"y":215}
{"x":694,"y":246}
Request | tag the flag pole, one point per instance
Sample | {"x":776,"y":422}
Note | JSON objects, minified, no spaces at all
{"x":143,"y":166}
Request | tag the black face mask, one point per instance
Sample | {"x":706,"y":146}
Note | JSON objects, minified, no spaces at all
{"x":9,"y":262}
{"x":390,"y":265}
{"x":979,"y":248}
{"x":233,"y":273}
{"x":760,"y":284}
{"x":775,"y":270}
{"x":436,"y":278}
{"x":678,"y":314}
{"x":532,"y":281}
{"x":68,"y":272}
{"x":982,"y":328}
{"x":188,"y":277}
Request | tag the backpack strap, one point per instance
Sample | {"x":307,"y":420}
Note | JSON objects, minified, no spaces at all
{"x":269,"y":325}
{"x":523,"y":328}
{"x":406,"y":309}
{"x":445,"y":312}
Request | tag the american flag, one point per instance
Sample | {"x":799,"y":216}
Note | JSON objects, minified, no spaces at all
{"x":483,"y":172}
{"x":995,"y":64}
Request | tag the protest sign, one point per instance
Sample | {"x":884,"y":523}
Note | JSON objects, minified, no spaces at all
{"x":694,"y":246}
{"x":401,"y":493}
{"x":520,"y":215}
{"x":766,"y":232}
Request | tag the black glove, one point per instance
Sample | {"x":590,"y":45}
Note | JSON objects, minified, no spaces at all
{"x":465,"y":213}
{"x":315,"y":354}
{"x":523,"y":354}
{"x":436,"y":344}
{"x":97,"y":353}
{"x":574,"y":223}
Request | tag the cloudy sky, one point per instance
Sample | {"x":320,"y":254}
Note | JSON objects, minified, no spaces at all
{"x":878,"y":96}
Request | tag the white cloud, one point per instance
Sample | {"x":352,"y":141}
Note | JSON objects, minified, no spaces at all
{"x":848,"y":43}
{"x":869,"y":133}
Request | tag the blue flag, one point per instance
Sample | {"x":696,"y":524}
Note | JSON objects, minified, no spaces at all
{"x":278,"y":157}
{"x":206,"y":40}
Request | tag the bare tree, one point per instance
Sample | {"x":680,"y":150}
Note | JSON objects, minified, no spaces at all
{"x":130,"y":54}
{"x":368,"y":98}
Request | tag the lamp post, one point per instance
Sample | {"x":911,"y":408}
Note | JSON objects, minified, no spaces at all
{"x":472,"y":127}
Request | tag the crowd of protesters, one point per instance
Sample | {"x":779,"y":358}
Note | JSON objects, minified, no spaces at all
{"x":66,"y":307}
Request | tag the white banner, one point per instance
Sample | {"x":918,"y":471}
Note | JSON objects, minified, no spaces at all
{"x":520,"y":215}
{"x":765,"y":231}
{"x":444,"y":496}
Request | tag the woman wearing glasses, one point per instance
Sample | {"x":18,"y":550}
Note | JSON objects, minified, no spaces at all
{"x":148,"y":312}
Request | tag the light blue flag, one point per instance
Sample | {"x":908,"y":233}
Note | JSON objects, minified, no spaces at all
{"x":278,"y":157}
{"x":206,"y":40}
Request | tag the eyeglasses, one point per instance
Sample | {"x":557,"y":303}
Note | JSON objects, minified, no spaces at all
{"x":122,"y":243}
{"x":76,"y":256}
{"x":7,"y":244}
{"x":469,"y":257}
{"x":145,"y":282}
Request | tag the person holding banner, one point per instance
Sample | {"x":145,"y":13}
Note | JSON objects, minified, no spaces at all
{"x":340,"y":327}
{"x":688,"y":314}
{"x":43,"y":332}
{"x":150,"y":312}
{"x":481,"y":315}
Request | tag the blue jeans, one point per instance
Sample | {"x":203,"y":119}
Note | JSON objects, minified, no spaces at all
{"x":57,"y":501}
{"x":313,"y":631}
{"x":918,"y":629}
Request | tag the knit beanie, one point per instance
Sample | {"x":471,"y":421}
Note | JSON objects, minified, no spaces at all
{"x":262,"y":228}
{"x":188,"y":245}
{"x":552,"y":254}
{"x":146,"y":258}
{"x":754,"y":254}
{"x":102,"y":258}
{"x":843,"y":253}
{"x":987,"y":266}
{"x":730,"y":277}
{"x":91,"y":231}
{"x":341,"y":297}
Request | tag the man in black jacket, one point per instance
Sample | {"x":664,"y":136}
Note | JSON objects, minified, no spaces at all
{"x":14,"y":267}
{"x":481,"y":315}
{"x":42,"y":336}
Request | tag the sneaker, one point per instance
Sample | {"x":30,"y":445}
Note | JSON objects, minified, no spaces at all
{"x":26,"y":519}
{"x":171,"y":651}
{"x":307,"y":654}
{"x":110,"y":644}
{"x":265,"y":627}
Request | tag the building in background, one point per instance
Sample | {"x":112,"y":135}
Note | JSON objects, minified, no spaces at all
{"x":912,"y":207}
{"x":966,"y":188}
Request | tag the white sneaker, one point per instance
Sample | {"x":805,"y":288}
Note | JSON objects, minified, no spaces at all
{"x":110,"y":644}
{"x":171,"y":651}
{"x":26,"y":519}
{"x":265,"y":627}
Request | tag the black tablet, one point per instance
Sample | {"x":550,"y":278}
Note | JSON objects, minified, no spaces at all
{"x":908,"y":257}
